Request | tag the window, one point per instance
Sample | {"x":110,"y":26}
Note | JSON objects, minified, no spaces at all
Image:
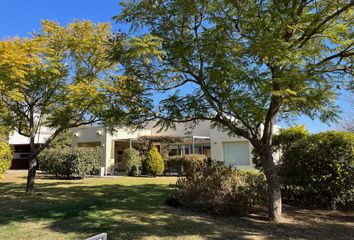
{"x":236,"y":153}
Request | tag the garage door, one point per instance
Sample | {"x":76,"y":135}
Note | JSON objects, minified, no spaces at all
{"x":236,"y":153}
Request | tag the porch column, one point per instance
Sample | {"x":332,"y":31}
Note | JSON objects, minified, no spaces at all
{"x":192,"y":144}
{"x":108,"y":153}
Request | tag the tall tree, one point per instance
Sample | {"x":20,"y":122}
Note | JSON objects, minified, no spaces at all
{"x":60,"y":78}
{"x":245,"y":64}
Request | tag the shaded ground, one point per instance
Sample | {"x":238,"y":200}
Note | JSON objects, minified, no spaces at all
{"x":132,"y":208}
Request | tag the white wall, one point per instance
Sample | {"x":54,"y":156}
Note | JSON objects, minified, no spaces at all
{"x":106,"y":140}
{"x":218,"y":138}
{"x":15,"y":138}
{"x":83,"y":135}
{"x":126,"y":133}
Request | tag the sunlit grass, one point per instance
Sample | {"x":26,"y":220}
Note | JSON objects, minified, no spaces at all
{"x":132,"y":208}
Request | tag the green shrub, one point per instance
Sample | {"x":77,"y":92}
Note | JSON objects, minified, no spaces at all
{"x":220,"y":189}
{"x":282,"y":141}
{"x":70,"y":162}
{"x":5,"y":157}
{"x":183,"y":163}
{"x":319,"y":169}
{"x":133,"y":161}
{"x":154,"y":162}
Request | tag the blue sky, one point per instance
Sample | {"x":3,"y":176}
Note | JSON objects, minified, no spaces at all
{"x":20,"y":17}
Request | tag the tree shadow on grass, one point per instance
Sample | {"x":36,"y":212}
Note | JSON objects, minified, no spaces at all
{"x":137,"y":211}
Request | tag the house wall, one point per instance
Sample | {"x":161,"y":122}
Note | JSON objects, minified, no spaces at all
{"x":41,"y":137}
{"x":217,"y":140}
{"x":87,"y":135}
{"x":105,"y":139}
{"x":125,"y":133}
{"x":21,"y":146}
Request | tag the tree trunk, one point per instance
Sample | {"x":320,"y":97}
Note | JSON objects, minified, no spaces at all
{"x":31,"y":176}
{"x":32,"y":168}
{"x":274,"y":192}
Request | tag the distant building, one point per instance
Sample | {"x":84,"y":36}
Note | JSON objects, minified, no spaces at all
{"x":21,"y":146}
{"x":200,"y":139}
{"x":216,"y":145}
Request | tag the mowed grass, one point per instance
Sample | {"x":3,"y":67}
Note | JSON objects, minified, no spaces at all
{"x":132,"y":208}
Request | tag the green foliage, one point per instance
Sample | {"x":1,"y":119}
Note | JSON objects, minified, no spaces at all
{"x":4,"y":132}
{"x":64,"y":139}
{"x":223,"y":190}
{"x":282,"y":141}
{"x":70,"y":162}
{"x":154,"y":163}
{"x":243,"y":56}
{"x":61,"y":78}
{"x":65,"y":76}
{"x":319,"y":169}
{"x":5,"y":157}
{"x":133,"y":161}
{"x":184,"y":163}
{"x":289,"y":135}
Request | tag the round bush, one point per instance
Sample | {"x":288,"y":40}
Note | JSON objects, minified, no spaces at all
{"x":154,"y":162}
{"x":134,"y":161}
{"x":5,"y":157}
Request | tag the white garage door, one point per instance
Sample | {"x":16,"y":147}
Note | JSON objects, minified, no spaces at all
{"x":236,"y":153}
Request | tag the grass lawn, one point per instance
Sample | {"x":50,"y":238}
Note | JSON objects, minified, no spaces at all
{"x":132,"y":208}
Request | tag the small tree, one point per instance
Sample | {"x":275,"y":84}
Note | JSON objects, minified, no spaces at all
{"x":5,"y":157}
{"x":133,"y":160}
{"x":60,"y":78}
{"x":154,"y":162}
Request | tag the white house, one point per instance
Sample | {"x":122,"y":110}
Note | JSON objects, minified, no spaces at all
{"x":216,"y":145}
{"x":21,"y":146}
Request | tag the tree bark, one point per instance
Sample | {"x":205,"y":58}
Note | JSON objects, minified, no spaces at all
{"x":31,"y":176}
{"x":274,"y":192}
{"x":32,"y":168}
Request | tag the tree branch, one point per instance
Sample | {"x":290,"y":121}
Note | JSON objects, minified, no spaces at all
{"x":307,"y":35}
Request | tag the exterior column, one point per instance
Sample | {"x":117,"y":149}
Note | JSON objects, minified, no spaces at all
{"x":192,"y":144}
{"x":108,"y":153}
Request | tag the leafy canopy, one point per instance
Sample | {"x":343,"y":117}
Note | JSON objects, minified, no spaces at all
{"x":235,"y":62}
{"x":64,"y":76}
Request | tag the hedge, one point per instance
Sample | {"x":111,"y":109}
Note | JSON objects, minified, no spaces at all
{"x":319,"y":169}
{"x":70,"y":162}
{"x":183,"y":163}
